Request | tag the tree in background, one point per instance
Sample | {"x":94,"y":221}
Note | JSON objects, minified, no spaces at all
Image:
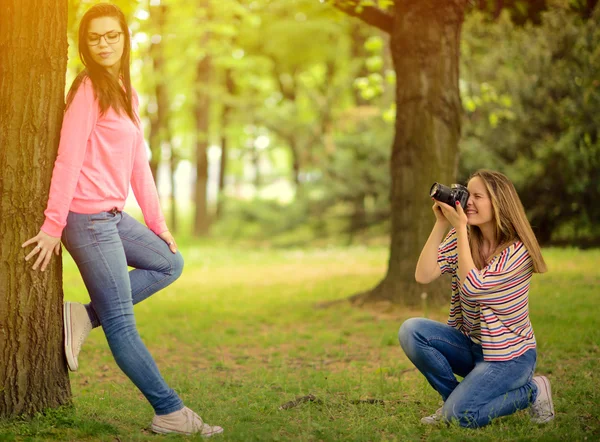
{"x":202,"y":105}
{"x":33,"y":48}
{"x":159,"y":107}
{"x":425,"y":38}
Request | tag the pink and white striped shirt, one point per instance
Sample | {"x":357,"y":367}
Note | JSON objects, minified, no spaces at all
{"x":492,"y":305}
{"x":99,"y":156}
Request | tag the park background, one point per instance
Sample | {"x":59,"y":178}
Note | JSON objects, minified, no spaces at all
{"x":270,"y":127}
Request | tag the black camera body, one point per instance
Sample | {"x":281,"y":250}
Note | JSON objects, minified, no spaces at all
{"x":450,"y":195}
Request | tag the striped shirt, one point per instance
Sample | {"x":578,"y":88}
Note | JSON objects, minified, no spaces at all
{"x":492,"y":305}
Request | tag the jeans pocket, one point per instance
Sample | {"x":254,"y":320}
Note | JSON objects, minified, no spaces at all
{"x":78,"y":232}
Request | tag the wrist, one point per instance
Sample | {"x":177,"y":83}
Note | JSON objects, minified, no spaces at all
{"x":442,"y":223}
{"x":461,"y":229}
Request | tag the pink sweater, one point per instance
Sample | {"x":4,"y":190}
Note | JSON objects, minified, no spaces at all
{"x":98,"y":157}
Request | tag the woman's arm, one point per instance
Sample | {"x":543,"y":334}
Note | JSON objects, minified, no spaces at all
{"x":465,"y":259}
{"x":428,"y":268}
{"x":78,"y":123}
{"x":144,"y":189}
{"x":458,"y":219}
{"x":146,"y":195}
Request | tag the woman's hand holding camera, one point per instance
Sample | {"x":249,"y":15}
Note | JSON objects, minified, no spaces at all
{"x":457,"y":217}
{"x":439,"y":215}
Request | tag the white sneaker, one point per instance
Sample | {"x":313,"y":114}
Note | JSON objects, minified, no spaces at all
{"x":77,"y":326}
{"x":434,"y":419}
{"x":184,"y":421}
{"x":542,"y":410}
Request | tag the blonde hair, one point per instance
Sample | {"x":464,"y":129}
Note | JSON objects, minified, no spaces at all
{"x":510,"y":221}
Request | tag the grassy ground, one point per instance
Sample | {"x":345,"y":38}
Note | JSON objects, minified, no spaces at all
{"x":239,"y":334}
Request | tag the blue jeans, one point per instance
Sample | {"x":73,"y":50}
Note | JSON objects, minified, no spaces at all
{"x":103,"y":245}
{"x":488,"y":390}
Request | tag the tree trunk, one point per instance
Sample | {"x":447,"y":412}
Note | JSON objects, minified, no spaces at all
{"x":202,"y":108}
{"x":257,"y":171}
{"x":289,"y":91}
{"x":498,"y":9}
{"x":222,"y":171}
{"x":160,"y":119}
{"x":227,"y":108}
{"x":173,"y":161}
{"x":295,"y":162}
{"x":425,"y":46}
{"x":33,"y":63}
{"x":154,"y":145}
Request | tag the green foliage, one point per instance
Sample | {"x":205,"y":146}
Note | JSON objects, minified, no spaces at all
{"x":347,"y":194}
{"x":533,"y":112}
{"x":290,"y":65}
{"x":260,"y":218}
{"x":377,"y":77}
{"x":358,"y":169}
{"x":529,"y":83}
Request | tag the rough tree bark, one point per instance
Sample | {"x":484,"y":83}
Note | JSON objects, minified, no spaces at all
{"x":33,"y":62}
{"x":425,"y":45}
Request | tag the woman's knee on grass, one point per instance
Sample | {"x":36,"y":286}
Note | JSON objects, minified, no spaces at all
{"x":464,"y":414}
{"x":408,"y":332}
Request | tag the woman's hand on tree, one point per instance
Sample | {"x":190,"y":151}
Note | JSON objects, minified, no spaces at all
{"x":168,"y":238}
{"x":46,"y":244}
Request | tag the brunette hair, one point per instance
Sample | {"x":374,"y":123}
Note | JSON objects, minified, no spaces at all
{"x":107,"y":88}
{"x":510,"y":221}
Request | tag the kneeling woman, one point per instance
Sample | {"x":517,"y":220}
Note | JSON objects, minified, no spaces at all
{"x":491,"y":253}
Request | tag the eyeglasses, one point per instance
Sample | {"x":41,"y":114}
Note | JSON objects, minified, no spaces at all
{"x":110,"y":38}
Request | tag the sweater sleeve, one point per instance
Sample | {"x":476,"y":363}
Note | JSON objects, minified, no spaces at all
{"x":143,"y":184}
{"x":78,"y":123}
{"x":501,"y":280}
{"x":448,"y":253}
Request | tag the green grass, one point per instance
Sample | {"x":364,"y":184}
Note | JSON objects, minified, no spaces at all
{"x":240,"y":334}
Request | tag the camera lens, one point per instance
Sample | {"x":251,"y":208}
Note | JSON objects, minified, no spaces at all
{"x":434,"y":189}
{"x":441,"y":193}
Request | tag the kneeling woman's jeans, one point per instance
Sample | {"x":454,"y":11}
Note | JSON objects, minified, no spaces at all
{"x":488,"y":390}
{"x":103,"y":245}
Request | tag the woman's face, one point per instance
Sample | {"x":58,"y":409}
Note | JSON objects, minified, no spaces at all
{"x":479,"y":207}
{"x":106,"y":41}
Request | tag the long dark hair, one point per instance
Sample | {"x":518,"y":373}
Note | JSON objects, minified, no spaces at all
{"x":106,"y":87}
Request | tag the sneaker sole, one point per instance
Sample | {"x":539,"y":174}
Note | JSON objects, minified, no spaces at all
{"x":162,"y":430}
{"x":548,"y":390}
{"x":71,"y":361}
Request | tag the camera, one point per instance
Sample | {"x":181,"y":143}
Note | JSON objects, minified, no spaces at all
{"x":449,"y":195}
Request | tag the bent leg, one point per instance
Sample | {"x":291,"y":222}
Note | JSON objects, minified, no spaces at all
{"x":491,"y":390}
{"x":438,"y":351}
{"x":100,"y":257}
{"x":155,"y":266}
